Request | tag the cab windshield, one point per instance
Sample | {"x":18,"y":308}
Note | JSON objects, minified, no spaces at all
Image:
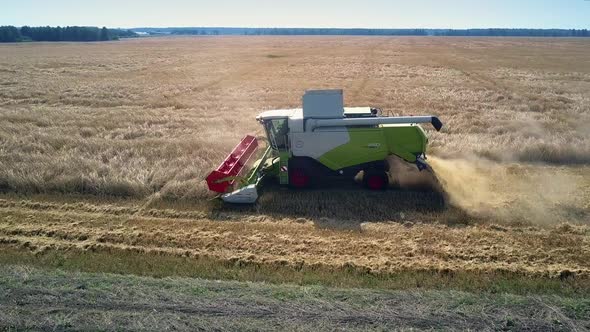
{"x":277,"y":130}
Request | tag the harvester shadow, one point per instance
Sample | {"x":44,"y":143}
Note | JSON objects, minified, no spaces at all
{"x":345,"y":206}
{"x":413,"y":197}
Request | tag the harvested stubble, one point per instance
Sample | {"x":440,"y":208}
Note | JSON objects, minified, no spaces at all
{"x":405,"y":244}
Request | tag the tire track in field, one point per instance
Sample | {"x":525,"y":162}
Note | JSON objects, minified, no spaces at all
{"x":368,"y":59}
{"x":478,"y":76}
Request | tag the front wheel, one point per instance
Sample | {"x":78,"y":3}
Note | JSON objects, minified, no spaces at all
{"x":375,"y":180}
{"x":299,"y":178}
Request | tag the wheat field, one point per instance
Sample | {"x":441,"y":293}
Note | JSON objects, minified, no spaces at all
{"x":146,"y":116}
{"x":106,"y":146}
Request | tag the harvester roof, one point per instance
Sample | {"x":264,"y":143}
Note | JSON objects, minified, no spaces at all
{"x":276,"y":114}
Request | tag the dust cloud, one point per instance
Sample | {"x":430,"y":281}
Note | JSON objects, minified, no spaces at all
{"x":513,"y":192}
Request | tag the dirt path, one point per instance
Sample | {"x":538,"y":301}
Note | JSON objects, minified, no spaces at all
{"x":56,"y":300}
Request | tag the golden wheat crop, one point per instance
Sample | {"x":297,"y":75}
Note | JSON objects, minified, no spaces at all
{"x":139,"y":117}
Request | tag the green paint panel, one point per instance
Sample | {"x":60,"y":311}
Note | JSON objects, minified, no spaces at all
{"x":366,"y":144}
{"x":372,"y":144}
{"x":405,"y":141}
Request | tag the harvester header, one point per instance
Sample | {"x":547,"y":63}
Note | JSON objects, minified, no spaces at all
{"x":320,"y":141}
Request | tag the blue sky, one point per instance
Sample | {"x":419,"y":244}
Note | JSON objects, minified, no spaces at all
{"x":301,"y":13}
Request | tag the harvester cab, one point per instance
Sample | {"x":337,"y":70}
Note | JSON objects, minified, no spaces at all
{"x":323,"y":139}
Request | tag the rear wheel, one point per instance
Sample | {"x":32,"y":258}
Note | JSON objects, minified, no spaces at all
{"x":299,"y":178}
{"x":375,"y":180}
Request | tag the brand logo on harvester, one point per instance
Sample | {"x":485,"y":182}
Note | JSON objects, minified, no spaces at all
{"x":373,"y":145}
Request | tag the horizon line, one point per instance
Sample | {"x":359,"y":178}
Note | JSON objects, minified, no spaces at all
{"x":342,"y":28}
{"x":307,"y":28}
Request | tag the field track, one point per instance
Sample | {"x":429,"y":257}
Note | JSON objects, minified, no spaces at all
{"x":89,"y":301}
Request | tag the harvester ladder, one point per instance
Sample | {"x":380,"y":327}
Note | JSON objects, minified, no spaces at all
{"x":284,"y":167}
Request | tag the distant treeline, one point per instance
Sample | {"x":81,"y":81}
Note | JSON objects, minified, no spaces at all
{"x":77,"y":33}
{"x":11,"y":34}
{"x":367,"y":32}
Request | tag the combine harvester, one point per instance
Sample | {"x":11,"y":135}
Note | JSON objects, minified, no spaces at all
{"x":323,"y":139}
